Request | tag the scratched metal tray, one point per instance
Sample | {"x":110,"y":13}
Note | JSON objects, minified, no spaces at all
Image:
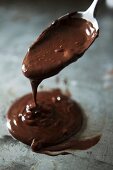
{"x":90,"y":81}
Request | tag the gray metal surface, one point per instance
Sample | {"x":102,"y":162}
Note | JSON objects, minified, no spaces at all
{"x":90,"y":80}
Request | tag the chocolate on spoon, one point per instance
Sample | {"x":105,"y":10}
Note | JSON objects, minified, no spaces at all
{"x":49,"y":121}
{"x":60,"y":44}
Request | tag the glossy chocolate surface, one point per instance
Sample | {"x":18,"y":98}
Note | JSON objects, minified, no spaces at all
{"x":50,"y":119}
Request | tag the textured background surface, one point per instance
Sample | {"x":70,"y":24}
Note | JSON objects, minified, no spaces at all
{"x":90,"y":80}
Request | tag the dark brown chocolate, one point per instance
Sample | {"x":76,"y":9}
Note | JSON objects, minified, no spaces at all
{"x":53,"y":121}
{"x":62,"y":43}
{"x":59,"y":45}
{"x":50,"y":120}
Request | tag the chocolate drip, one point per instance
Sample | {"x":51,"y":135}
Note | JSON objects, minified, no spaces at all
{"x":34,"y":85}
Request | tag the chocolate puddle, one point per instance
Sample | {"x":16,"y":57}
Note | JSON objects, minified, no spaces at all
{"x":55,"y":120}
{"x":49,"y":120}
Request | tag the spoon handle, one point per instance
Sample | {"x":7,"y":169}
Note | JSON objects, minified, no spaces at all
{"x":92,"y":7}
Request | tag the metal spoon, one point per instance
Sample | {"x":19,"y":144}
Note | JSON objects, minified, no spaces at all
{"x":88,"y":15}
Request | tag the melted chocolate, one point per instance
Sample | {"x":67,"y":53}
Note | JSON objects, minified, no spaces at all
{"x":62,"y":43}
{"x":59,"y":45}
{"x":50,"y":121}
{"x":55,"y":120}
